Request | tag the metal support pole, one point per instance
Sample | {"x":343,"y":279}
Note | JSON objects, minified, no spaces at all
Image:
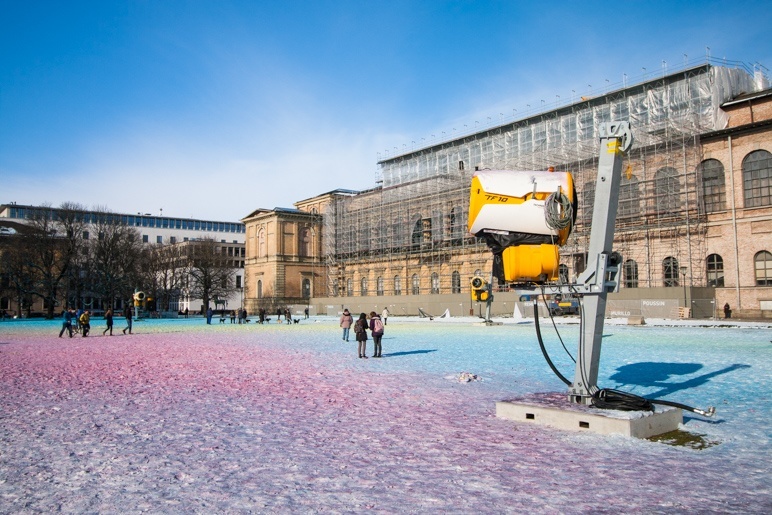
{"x":615,"y":139}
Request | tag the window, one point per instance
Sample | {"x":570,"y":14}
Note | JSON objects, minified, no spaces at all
{"x":417,"y":236}
{"x":757,"y":178}
{"x":173,"y":239}
{"x":711,"y":171}
{"x":629,"y":199}
{"x":670,"y":271}
{"x":335,"y":288}
{"x":261,"y":243}
{"x":435,"y":283}
{"x":306,"y":288}
{"x":630,"y":274}
{"x":304,"y":247}
{"x":715,"y":269}
{"x":455,"y":282}
{"x":349,"y":287}
{"x":416,"y":285}
{"x":457,"y":224}
{"x":259,"y":289}
{"x":667,"y":191}
{"x":763,"y":265}
{"x":379,"y":286}
{"x":238,"y":281}
{"x":397,"y":285}
{"x":159,"y":239}
{"x":85,"y":235}
{"x":144,"y":238}
{"x":563,"y":273}
{"x":363,"y":287}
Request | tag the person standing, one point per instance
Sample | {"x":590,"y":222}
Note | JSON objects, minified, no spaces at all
{"x":209,"y":314}
{"x":127,"y":313}
{"x":346,"y":320}
{"x":305,"y":312}
{"x":727,"y":311}
{"x":385,"y":314}
{"x":85,"y":322}
{"x":233,"y":316}
{"x":109,"y":321}
{"x":376,"y":328}
{"x":186,"y":314}
{"x":360,"y":329}
{"x":66,"y":322}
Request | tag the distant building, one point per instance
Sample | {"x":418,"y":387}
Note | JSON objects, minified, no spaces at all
{"x":153,"y":230}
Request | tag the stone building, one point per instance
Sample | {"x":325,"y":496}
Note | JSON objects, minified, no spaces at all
{"x":694,"y":221}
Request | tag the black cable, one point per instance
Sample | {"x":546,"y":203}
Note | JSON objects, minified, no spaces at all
{"x":554,"y":325}
{"x":541,"y":344}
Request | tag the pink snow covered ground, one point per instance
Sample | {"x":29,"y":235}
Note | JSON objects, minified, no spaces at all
{"x":194,"y":419}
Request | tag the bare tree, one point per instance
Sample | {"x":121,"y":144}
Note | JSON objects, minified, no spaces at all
{"x":115,"y":257}
{"x":51,"y":248}
{"x":210,"y":271}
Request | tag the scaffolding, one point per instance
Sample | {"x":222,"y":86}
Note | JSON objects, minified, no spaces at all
{"x":409,"y":234}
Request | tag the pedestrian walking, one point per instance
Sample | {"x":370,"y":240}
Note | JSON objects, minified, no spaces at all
{"x":66,"y":322}
{"x":127,"y":313}
{"x":385,"y":314}
{"x":85,"y":322}
{"x":360,"y":329}
{"x":108,"y":321}
{"x":376,"y":328}
{"x":346,"y":320}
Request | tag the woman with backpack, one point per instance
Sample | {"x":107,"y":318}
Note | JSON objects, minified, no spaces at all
{"x":360,"y":329}
{"x":376,"y":327}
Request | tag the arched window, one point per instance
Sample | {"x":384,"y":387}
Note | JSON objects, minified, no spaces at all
{"x":261,"y":249}
{"x":588,"y":200}
{"x":416,"y":285}
{"x":711,"y":172}
{"x":259,"y":289}
{"x":670,"y":271}
{"x":349,"y":287}
{"x":757,"y":178}
{"x":763,"y":265}
{"x":630,"y":274}
{"x":335,"y":288}
{"x":397,"y":285}
{"x":715,"y":269}
{"x":363,"y":287}
{"x":435,"y":283}
{"x":306,"y":288}
{"x":304,"y":245}
{"x":455,"y":282}
{"x":417,"y":235}
{"x":379,"y":286}
{"x":667,"y":192}
{"x":629,"y":199}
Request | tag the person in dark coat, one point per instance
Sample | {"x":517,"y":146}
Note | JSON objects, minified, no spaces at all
{"x":360,"y":329}
{"x":108,"y":321}
{"x":727,"y":311}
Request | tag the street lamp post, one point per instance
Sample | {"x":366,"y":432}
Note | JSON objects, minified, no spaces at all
{"x":683,"y":273}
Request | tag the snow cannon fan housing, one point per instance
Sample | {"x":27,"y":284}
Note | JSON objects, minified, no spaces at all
{"x":523,"y":216}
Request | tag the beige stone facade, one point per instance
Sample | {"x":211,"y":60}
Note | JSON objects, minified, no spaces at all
{"x":694,"y":221}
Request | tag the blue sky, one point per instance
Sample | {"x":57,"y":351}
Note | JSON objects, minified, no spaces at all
{"x":213,"y":109}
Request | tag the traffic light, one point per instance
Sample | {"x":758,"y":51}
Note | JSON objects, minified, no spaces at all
{"x":479,"y":289}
